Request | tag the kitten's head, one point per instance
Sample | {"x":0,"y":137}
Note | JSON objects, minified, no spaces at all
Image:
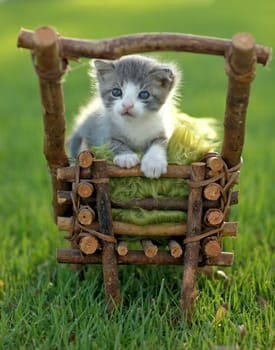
{"x":135,"y":85}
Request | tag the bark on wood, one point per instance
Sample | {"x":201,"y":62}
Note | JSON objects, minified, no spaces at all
{"x":143,"y":42}
{"x":109,"y":261}
{"x":223,"y":259}
{"x":74,"y":256}
{"x":213,"y":217}
{"x":230,"y":229}
{"x":85,"y":189}
{"x":126,"y":229}
{"x":191,"y":253}
{"x":68,"y":173}
{"x":150,"y":249}
{"x":86,"y":215}
{"x":48,"y":66}
{"x":122,"y":248}
{"x":64,"y":197}
{"x":175,"y":248}
{"x":88,"y":244}
{"x":240,"y":68}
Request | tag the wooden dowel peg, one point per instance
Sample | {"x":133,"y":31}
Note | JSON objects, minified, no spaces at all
{"x":150,"y":249}
{"x":212,"y":191}
{"x":85,"y":189}
{"x":86,"y":215}
{"x":175,"y":248}
{"x":214,"y":163}
{"x":230,"y":229}
{"x":85,"y":159}
{"x":122,"y":248}
{"x":64,"y":197}
{"x":211,"y":246}
{"x":213,"y":217}
{"x":88,"y":244}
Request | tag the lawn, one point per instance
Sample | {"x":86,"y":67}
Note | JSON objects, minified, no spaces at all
{"x":43,"y":305}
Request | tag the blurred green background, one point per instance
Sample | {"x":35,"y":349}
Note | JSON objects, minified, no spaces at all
{"x":29,"y":236}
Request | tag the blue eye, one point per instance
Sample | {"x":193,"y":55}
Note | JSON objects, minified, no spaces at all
{"x":144,"y":95}
{"x":116,"y":92}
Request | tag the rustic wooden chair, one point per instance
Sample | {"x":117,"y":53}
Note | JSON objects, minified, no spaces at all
{"x":199,"y":241}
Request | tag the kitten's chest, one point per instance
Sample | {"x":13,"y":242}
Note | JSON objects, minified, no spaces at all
{"x":138,"y":134}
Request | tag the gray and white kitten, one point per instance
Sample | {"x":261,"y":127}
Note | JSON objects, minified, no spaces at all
{"x":132,"y":110}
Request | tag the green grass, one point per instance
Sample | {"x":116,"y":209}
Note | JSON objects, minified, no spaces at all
{"x":42,"y":304}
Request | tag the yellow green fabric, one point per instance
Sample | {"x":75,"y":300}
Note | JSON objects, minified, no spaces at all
{"x":191,"y":140}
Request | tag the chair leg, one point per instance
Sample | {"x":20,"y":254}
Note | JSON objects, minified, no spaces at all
{"x":192,"y":249}
{"x":109,"y":258}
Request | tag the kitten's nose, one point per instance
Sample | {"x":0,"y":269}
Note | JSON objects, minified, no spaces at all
{"x":127,"y":107}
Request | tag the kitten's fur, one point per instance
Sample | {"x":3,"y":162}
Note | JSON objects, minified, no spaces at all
{"x":133,"y":111}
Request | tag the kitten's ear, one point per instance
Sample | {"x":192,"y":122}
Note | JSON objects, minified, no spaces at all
{"x":164,"y":76}
{"x":103,"y":68}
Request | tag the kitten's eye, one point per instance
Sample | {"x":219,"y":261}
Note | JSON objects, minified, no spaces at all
{"x":116,"y":92}
{"x":144,"y":95}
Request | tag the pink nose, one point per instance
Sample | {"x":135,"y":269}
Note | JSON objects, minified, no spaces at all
{"x":127,"y":107}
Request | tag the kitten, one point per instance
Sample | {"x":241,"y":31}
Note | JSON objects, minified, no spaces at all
{"x":132,"y":110}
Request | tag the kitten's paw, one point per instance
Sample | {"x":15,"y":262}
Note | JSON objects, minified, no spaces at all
{"x":126,"y":160}
{"x":153,"y":166}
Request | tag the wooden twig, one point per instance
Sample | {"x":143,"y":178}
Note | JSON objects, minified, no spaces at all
{"x":88,"y":244}
{"x":49,"y":70}
{"x":85,"y":189}
{"x":86,"y":215}
{"x":175,"y":248}
{"x":230,"y":229}
{"x":240,"y":67}
{"x":74,"y":256}
{"x":85,"y":158}
{"x":68,"y":173}
{"x":123,"y":228}
{"x":143,"y":42}
{"x":223,"y":259}
{"x":211,"y":246}
{"x":214,"y":163}
{"x":191,"y":252}
{"x":150,"y":249}
{"x":212,"y":191}
{"x":64,"y":197}
{"x":213,"y":217}
{"x":109,"y":261}
{"x":122,"y":248}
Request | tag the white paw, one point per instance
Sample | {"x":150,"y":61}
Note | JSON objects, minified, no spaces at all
{"x":153,"y":166}
{"x":126,"y":160}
